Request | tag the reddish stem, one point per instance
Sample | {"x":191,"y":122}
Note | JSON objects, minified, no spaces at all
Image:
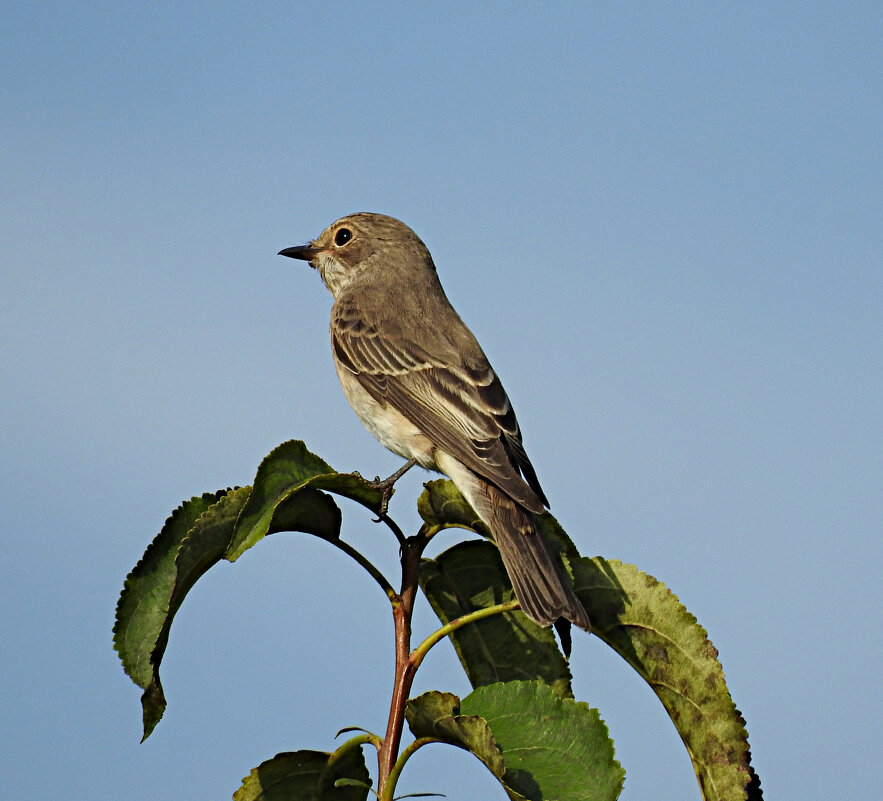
{"x":402,"y":610}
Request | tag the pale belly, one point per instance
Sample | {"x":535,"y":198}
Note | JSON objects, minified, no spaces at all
{"x":391,"y":429}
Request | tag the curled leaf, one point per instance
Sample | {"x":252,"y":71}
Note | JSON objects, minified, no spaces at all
{"x":539,"y":746}
{"x":287,"y":471}
{"x":312,"y":775}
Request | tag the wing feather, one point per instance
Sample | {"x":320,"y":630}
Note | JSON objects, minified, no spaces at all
{"x":458,"y":402}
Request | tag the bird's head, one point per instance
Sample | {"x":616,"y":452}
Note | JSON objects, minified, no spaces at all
{"x":357,"y":243}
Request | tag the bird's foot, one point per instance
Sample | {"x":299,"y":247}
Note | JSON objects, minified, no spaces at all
{"x":386,"y":486}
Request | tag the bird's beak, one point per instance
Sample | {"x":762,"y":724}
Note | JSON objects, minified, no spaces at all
{"x":302,"y":252}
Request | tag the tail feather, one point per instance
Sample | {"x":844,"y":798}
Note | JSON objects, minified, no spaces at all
{"x":536,"y":573}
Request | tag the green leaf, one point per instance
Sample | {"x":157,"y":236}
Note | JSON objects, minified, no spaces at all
{"x":539,"y":746}
{"x":286,"y":471}
{"x":194,"y":539}
{"x":308,"y":776}
{"x":154,"y":589}
{"x":281,"y":472}
{"x":553,"y":748}
{"x":135,"y":616}
{"x":646,"y":624}
{"x":470,"y":576}
{"x":557,"y":538}
{"x":437,"y":715}
{"x":441,"y":505}
{"x":634,"y":614}
{"x":352,"y":486}
{"x":308,"y":510}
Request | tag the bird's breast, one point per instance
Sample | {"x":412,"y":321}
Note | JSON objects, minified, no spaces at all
{"x":389,"y":426}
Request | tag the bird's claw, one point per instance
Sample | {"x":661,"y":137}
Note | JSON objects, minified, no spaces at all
{"x":386,"y":492}
{"x":386,"y":487}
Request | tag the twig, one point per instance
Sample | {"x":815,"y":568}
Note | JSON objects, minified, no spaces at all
{"x":439,"y":634}
{"x":402,"y":610}
{"x":363,"y":561}
{"x":408,"y":752}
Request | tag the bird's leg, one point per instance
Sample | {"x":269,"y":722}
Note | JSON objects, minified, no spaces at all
{"x":385,"y":486}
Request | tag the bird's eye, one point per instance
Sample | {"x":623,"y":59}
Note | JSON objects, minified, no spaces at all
{"x":342,"y":236}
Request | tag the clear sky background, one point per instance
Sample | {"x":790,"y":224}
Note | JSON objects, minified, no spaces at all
{"x":662,"y":221}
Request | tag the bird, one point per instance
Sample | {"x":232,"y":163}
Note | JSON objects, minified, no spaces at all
{"x":419,"y":381}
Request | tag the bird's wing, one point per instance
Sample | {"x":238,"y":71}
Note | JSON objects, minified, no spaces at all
{"x":456,"y":400}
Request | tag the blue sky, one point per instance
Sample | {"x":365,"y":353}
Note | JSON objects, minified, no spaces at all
{"x":662,"y":221}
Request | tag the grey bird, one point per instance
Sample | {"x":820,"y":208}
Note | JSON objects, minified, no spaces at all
{"x":421,"y":384}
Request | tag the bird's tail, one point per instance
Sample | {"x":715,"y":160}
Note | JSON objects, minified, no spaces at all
{"x":536,"y":573}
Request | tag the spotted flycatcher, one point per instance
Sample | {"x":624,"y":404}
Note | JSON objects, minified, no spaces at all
{"x":421,"y":384}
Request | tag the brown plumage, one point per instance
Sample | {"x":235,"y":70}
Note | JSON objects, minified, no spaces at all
{"x":420,"y":382}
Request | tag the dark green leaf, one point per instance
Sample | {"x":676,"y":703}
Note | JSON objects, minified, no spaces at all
{"x":308,"y":510}
{"x":553,"y":748}
{"x":308,"y":776}
{"x":137,"y":618}
{"x":286,"y":472}
{"x":351,"y":783}
{"x":347,"y":729}
{"x":282,"y":471}
{"x":646,"y":624}
{"x":194,"y":539}
{"x":470,"y":576}
{"x":557,"y":537}
{"x":154,"y":589}
{"x":352,"y":486}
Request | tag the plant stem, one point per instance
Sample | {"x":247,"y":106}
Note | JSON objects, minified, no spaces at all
{"x":394,"y":528}
{"x":402,"y":610}
{"x":368,"y":738}
{"x":439,"y":634}
{"x":406,"y":668}
{"x":372,"y":571}
{"x":409,"y":751}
